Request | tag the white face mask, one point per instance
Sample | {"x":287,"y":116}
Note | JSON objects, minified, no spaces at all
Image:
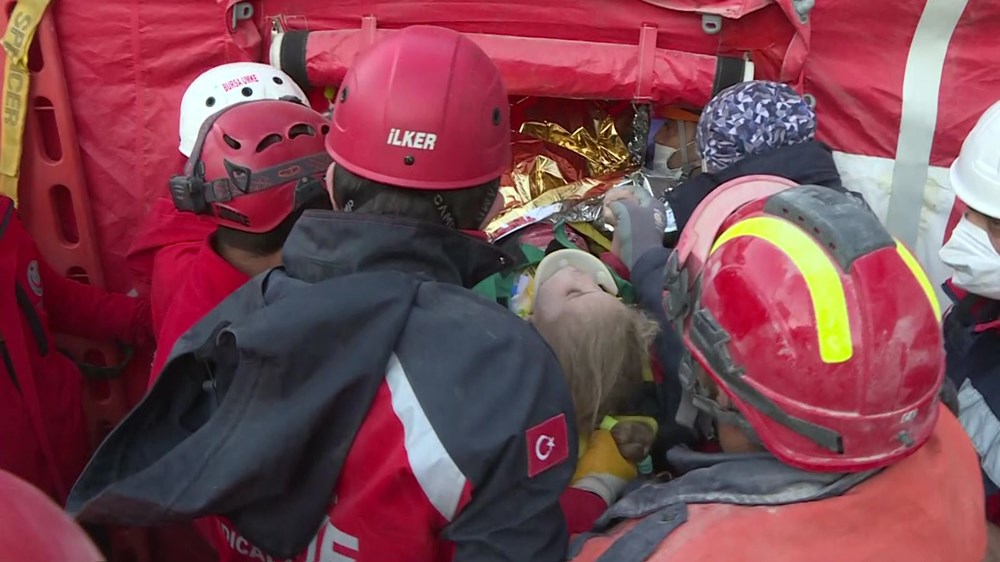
{"x":974,"y":259}
{"x":660,"y":165}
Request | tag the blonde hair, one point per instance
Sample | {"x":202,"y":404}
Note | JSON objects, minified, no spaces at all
{"x":603,"y":357}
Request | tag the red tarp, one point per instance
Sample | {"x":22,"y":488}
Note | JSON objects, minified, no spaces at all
{"x":128,"y":61}
{"x":857,"y":63}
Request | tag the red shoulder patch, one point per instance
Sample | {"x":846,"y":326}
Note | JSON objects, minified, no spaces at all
{"x":548,"y":445}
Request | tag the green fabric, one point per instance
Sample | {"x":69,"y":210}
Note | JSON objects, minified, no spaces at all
{"x":498,"y":287}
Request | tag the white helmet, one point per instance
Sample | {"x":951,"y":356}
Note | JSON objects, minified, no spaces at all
{"x":975,"y":174}
{"x":226,"y":85}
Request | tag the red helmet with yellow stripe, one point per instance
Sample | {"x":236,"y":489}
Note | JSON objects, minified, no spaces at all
{"x":818,"y":325}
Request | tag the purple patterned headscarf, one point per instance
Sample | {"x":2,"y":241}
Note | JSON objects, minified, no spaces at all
{"x":751,"y":118}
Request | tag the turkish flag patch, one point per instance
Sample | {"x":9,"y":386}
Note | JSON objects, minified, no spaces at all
{"x":548,"y":445}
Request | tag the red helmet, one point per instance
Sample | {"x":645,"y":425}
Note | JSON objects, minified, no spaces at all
{"x":254,"y":164}
{"x":424,"y":109}
{"x":34,"y":529}
{"x":820,"y":327}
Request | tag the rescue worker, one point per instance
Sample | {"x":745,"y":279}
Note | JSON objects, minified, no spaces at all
{"x":755,"y":127}
{"x":33,"y":529}
{"x":43,"y":437}
{"x":169,"y":240}
{"x":226,"y":85}
{"x":202,"y":258}
{"x":361,"y":403}
{"x":673,"y":154}
{"x":819,"y":377}
{"x":277,"y":149}
{"x":972,"y":325}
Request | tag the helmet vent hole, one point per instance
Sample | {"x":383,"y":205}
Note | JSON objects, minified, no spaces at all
{"x":267,"y":141}
{"x":802,"y":219}
{"x":210,"y":102}
{"x":408,"y":160}
{"x":343,"y":94}
{"x":496,"y":116}
{"x":278,"y":80}
{"x":301,"y":129}
{"x":247,"y":91}
{"x":233,"y":143}
{"x":324,"y":130}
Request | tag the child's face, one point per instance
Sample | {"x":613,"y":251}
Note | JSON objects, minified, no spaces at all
{"x":570,"y":295}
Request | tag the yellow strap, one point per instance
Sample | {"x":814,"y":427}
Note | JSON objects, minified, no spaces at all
{"x":16,"y":41}
{"x":588,"y":231}
{"x":608,"y":423}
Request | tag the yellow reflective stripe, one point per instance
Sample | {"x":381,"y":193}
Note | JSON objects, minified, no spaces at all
{"x":822,"y":278}
{"x":16,"y":78}
{"x":918,"y":272}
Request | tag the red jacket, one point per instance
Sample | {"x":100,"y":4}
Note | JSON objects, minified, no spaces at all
{"x":43,"y":437}
{"x":171,"y":257}
{"x":162,"y":251}
{"x":375,"y":481}
{"x":200,"y":281}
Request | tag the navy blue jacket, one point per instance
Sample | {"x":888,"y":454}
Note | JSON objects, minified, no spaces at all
{"x":259,"y":404}
{"x":973,"y":365}
{"x":809,"y":163}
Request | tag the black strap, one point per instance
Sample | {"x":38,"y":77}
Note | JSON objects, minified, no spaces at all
{"x":106,"y":372}
{"x":242,"y":181}
{"x":292,"y":57}
{"x":25,"y":304}
{"x":728,"y":72}
{"x":34,"y":320}
{"x":711,"y":340}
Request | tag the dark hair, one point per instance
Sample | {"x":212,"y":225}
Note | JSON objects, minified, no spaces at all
{"x":270,"y":242}
{"x":462,"y":209}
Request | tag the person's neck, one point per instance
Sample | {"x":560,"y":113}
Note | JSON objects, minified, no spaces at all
{"x":246,"y":262}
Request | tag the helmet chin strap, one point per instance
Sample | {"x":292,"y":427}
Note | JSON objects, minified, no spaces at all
{"x":701,"y":414}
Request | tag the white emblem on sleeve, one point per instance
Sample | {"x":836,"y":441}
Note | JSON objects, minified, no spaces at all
{"x":544,"y":446}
